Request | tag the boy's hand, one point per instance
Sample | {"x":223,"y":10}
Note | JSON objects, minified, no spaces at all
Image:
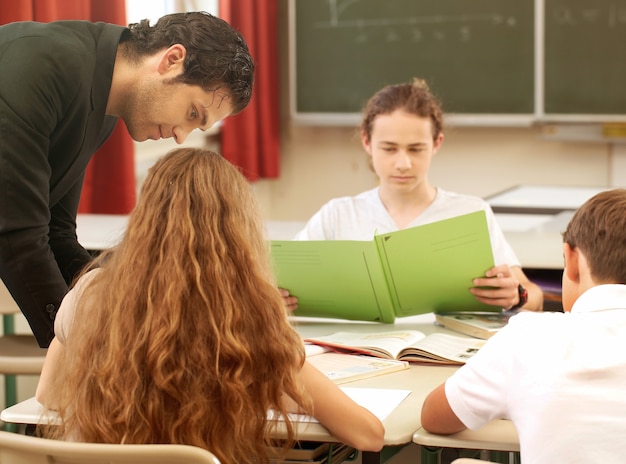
{"x":290,"y":301}
{"x":497,"y":288}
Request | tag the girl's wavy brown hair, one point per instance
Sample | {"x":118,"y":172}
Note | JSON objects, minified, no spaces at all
{"x":183,"y":336}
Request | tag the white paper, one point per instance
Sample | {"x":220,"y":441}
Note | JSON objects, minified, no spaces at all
{"x":379,"y":401}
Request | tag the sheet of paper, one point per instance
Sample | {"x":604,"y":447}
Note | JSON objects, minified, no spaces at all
{"x":379,"y":401}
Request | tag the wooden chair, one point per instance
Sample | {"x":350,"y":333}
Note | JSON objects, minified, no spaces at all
{"x":19,"y":353}
{"x":469,"y":461}
{"x":22,"y":449}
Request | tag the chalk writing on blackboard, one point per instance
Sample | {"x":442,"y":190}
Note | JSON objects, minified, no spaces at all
{"x":612,"y":15}
{"x":412,"y":28}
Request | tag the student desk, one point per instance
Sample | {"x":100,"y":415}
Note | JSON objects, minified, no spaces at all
{"x":97,"y":232}
{"x":400,"y":425}
{"x":533,"y":217}
{"x":539,"y":199}
{"x":100,"y":231}
{"x":498,"y":435}
{"x":535,"y":237}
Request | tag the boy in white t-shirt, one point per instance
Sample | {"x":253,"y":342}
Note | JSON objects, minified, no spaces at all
{"x":560,"y":377}
{"x":401,"y":132}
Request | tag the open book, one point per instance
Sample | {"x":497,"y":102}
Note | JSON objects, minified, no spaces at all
{"x":411,"y":271}
{"x":475,"y":324}
{"x":404,"y":345}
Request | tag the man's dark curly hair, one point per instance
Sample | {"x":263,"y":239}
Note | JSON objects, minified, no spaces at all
{"x":217,"y":54}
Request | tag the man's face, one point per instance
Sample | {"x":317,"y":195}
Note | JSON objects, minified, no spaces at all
{"x":157,"y":108}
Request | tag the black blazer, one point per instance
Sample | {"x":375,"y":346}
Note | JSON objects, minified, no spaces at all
{"x":55,"y":80}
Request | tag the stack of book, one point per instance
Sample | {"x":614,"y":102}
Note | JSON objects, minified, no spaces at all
{"x":476,"y":325}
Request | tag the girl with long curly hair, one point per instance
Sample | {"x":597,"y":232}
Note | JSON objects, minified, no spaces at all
{"x":179,"y":333}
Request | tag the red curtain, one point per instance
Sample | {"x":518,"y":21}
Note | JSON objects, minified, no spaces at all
{"x":109,"y":186}
{"x":251,"y":139}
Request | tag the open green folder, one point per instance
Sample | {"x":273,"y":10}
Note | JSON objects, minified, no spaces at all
{"x":428,"y":268}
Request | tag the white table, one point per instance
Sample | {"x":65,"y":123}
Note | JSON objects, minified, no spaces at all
{"x":498,"y":435}
{"x":100,"y":231}
{"x":538,"y":199}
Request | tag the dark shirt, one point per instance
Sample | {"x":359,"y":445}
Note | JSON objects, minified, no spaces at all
{"x":54,"y":85}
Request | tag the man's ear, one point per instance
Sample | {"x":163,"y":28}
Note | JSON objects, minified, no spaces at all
{"x":172,"y":59}
{"x":572,"y":264}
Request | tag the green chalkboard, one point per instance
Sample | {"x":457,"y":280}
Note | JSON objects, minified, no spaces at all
{"x":585,"y":57}
{"x":476,"y":55}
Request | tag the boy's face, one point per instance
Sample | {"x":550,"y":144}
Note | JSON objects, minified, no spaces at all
{"x":401,"y":147}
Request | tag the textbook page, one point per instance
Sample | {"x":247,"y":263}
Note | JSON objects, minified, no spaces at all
{"x":343,"y":368}
{"x":333,"y":278}
{"x":430,"y":268}
{"x":441,"y":348}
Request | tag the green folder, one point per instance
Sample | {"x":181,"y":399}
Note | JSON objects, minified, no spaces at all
{"x":428,"y":268}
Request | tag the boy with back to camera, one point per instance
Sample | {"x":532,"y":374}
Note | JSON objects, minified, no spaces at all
{"x":559,"y":377}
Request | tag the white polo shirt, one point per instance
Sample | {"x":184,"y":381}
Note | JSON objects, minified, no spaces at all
{"x":363,"y":216}
{"x":560,"y":377}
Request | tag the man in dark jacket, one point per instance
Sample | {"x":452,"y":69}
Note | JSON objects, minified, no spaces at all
{"x":63,"y":86}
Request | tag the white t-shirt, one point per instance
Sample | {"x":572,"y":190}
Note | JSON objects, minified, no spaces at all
{"x":560,"y":377}
{"x":363,"y":216}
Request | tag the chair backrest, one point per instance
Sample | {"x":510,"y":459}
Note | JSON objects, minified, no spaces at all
{"x":21,"y":449}
{"x":469,"y":461}
{"x":19,"y":354}
{"x":7,"y":303}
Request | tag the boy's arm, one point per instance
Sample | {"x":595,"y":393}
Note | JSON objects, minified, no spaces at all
{"x":437,"y":415}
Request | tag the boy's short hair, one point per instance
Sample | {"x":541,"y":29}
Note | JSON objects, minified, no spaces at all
{"x":598,"y":229}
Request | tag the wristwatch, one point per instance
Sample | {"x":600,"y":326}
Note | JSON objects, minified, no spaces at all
{"x":523,"y":297}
